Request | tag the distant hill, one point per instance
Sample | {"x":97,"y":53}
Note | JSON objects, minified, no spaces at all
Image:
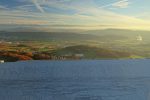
{"x":44,"y":36}
{"x":98,"y":35}
{"x":119,"y":34}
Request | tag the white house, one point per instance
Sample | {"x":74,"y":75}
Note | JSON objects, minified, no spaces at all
{"x":2,"y":61}
{"x":79,"y":55}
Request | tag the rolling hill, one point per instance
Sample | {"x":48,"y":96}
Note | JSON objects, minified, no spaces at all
{"x":44,"y":36}
{"x":98,"y":35}
{"x":91,"y":52}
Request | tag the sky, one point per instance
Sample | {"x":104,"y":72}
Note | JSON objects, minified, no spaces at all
{"x":75,"y":14}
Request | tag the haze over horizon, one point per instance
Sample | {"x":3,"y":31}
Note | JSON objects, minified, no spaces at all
{"x":75,"y":14}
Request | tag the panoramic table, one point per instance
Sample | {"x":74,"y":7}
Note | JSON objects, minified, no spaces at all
{"x":76,"y":80}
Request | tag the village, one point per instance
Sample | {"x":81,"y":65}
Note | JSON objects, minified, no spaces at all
{"x":24,"y":56}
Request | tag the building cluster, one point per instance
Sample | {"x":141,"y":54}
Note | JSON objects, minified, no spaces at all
{"x":68,"y":57}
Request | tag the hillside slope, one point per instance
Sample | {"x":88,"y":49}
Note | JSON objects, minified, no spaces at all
{"x":90,"y":52}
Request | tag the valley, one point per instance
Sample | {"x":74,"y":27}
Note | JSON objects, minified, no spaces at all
{"x":96,"y":44}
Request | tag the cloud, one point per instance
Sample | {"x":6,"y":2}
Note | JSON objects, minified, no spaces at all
{"x":121,"y":4}
{"x":87,"y":16}
{"x":3,"y":7}
{"x":35,"y":2}
{"x":143,"y":15}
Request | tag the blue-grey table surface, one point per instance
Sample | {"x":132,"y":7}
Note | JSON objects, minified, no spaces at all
{"x":76,"y":80}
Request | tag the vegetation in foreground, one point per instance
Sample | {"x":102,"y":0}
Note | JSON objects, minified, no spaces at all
{"x":24,"y":52}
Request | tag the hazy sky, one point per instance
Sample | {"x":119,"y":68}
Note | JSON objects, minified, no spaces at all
{"x":76,"y":14}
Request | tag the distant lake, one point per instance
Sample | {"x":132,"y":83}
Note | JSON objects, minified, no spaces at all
{"x":76,"y":80}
